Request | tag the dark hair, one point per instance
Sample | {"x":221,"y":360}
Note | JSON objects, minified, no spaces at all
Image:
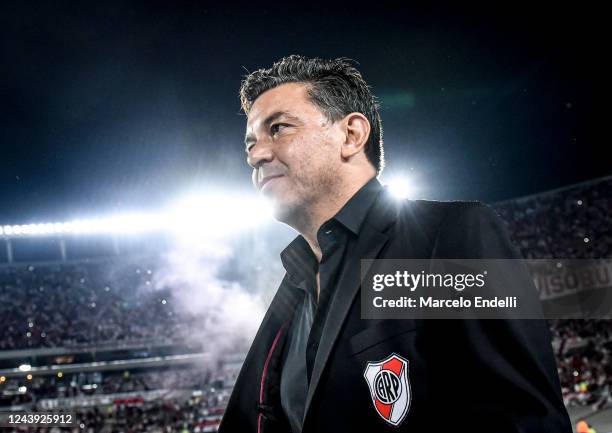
{"x":335,"y":86}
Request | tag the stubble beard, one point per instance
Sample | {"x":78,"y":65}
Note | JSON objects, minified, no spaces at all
{"x":299,"y":211}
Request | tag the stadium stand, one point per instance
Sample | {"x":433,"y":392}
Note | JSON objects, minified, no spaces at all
{"x":103,"y":339}
{"x":572,"y":223}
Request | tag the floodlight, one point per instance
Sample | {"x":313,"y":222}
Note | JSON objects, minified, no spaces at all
{"x":400,"y":187}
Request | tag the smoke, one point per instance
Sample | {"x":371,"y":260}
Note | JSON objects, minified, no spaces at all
{"x":212,"y":283}
{"x":217,"y":277}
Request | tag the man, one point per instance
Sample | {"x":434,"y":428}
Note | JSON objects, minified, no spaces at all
{"x":314,"y":140}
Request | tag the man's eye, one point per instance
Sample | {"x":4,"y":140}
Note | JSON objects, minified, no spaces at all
{"x":276,"y":127}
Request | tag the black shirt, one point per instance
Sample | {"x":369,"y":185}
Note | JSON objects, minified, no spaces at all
{"x":309,"y":319}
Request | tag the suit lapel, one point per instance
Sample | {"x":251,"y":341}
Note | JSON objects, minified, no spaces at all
{"x":370,"y":241}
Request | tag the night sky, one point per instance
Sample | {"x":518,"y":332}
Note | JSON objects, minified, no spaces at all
{"x":111,"y":107}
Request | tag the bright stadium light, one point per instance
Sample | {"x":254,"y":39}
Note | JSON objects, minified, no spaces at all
{"x":216,"y":214}
{"x":400,"y":187}
{"x":219,"y":213}
{"x":131,"y":223}
{"x":83,"y":226}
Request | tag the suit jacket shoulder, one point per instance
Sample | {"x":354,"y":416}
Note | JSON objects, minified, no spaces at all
{"x":443,"y":229}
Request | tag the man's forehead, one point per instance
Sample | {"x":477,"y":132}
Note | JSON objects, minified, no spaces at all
{"x":290,"y":99}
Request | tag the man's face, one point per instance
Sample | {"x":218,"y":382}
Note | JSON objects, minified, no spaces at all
{"x":293,"y":149}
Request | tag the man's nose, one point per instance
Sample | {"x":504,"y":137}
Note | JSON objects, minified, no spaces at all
{"x":259,"y":154}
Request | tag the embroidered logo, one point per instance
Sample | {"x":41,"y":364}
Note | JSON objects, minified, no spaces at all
{"x":389,"y":387}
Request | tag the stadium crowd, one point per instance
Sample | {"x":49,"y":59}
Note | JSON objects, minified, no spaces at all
{"x":96,"y":383}
{"x":199,"y":413}
{"x":584,"y":361}
{"x":85,"y":304}
{"x":573,"y":223}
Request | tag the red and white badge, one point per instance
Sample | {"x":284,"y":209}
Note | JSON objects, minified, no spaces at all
{"x":389,"y":387}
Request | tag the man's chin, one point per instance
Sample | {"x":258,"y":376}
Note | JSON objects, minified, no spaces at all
{"x":281,"y":212}
{"x":284,"y":212}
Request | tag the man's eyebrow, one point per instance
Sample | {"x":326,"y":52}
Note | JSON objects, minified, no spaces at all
{"x":276,"y":115}
{"x":271,"y":118}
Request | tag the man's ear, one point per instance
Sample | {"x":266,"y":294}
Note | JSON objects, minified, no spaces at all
{"x":357,"y":132}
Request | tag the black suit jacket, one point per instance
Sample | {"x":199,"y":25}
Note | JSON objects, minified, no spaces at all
{"x":465,"y":375}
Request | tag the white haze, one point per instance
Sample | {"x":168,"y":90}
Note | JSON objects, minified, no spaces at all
{"x":228,"y":314}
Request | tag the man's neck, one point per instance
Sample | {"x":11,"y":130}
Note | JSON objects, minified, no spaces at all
{"x":321,"y":212}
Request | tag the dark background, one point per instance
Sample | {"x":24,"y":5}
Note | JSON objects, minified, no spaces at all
{"x":111,"y":106}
